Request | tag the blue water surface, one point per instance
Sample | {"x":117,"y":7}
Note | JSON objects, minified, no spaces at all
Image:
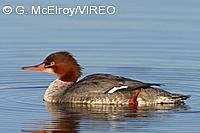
{"x":153,"y":41}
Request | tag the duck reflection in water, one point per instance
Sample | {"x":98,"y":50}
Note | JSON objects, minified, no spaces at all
{"x":66,"y":118}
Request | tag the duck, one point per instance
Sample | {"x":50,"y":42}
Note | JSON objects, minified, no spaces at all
{"x":99,"y":88}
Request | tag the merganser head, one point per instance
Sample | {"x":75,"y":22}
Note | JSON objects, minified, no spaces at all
{"x":61,"y":63}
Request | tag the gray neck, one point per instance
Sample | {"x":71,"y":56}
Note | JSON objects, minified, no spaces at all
{"x":56,"y":91}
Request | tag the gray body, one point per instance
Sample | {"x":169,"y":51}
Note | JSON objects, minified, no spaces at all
{"x":98,"y":89}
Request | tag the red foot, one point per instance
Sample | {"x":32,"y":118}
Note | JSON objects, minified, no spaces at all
{"x":133,"y":100}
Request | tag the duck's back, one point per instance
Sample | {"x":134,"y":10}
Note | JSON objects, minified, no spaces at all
{"x":104,"y":83}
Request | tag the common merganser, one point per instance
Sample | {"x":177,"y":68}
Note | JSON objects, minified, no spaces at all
{"x":97,"y":88}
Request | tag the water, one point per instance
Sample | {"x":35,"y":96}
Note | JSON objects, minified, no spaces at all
{"x":153,"y":41}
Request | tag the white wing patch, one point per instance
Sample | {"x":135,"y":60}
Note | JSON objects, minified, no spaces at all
{"x":116,"y":88}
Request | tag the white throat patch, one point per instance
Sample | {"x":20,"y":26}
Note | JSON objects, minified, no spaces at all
{"x":49,"y":70}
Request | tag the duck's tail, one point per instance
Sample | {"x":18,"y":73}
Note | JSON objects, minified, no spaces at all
{"x":181,"y":97}
{"x":160,"y":96}
{"x":177,"y":98}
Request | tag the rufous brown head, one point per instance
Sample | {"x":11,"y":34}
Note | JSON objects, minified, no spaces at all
{"x":61,"y":63}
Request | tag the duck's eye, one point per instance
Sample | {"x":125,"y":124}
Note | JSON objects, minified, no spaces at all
{"x":49,"y":65}
{"x":52,"y":63}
